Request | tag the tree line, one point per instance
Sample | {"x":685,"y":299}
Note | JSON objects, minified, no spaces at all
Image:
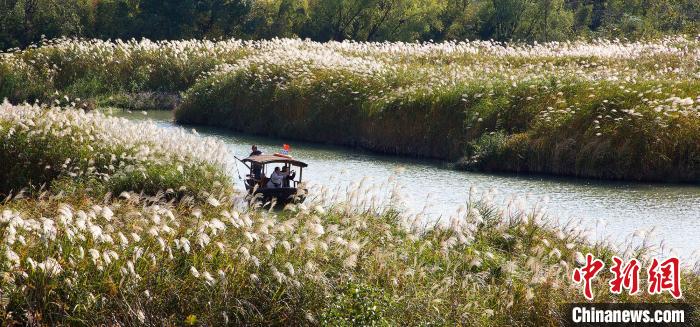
{"x":23,"y":22}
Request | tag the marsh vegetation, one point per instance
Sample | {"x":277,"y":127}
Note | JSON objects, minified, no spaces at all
{"x":603,"y":109}
{"x":141,"y":256}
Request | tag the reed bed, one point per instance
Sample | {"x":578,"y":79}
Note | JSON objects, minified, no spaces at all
{"x":140,"y":261}
{"x":137,"y":258}
{"x":602,"y":109}
{"x":68,"y":149}
{"x":97,"y":69}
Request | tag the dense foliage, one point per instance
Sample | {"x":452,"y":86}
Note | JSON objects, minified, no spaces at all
{"x":93,"y":68}
{"x":104,"y":221}
{"x":25,"y":21}
{"x":602,"y":109}
{"x":134,"y":259}
{"x":87,"y":153}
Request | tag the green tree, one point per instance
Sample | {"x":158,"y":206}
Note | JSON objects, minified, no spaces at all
{"x":582,"y":19}
{"x":544,"y":20}
{"x":405,"y":20}
{"x":460,"y":19}
{"x":115,"y":19}
{"x":26,"y":21}
{"x":677,"y":16}
{"x":372,"y":20}
{"x":276,"y":18}
{"x":501,"y":19}
{"x":336,"y":19}
{"x":219,"y":18}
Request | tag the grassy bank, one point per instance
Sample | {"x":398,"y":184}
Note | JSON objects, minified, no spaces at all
{"x":130,"y":261}
{"x":130,"y":258}
{"x":88,"y":69}
{"x":68,"y":150}
{"x":602,"y":109}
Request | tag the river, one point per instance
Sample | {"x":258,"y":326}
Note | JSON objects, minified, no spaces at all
{"x":609,"y":210}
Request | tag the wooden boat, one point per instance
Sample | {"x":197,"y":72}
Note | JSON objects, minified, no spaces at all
{"x":258,"y":184}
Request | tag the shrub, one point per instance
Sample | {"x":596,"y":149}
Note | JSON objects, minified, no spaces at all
{"x":356,"y":305}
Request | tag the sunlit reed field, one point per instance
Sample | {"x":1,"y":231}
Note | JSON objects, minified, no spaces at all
{"x":123,"y":223}
{"x":604,"y":109}
{"x":94,"y":154}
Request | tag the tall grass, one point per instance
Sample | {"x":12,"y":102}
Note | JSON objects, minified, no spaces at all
{"x":130,"y":257}
{"x":99,"y":69}
{"x":134,"y":261}
{"x":603,"y":109}
{"x":68,"y":150}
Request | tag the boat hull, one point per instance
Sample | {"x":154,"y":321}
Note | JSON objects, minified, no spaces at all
{"x":281,"y":195}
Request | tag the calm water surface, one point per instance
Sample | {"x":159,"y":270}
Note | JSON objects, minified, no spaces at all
{"x":610,"y":210}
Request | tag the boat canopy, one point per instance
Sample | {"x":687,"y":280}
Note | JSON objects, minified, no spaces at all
{"x":265,"y":159}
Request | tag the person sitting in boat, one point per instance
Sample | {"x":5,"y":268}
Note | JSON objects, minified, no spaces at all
{"x":276,"y":179}
{"x":257,"y":169}
{"x":288,"y":175}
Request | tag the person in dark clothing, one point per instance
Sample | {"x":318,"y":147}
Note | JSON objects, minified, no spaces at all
{"x":254,"y":151}
{"x":257,"y":169}
{"x":288,"y":175}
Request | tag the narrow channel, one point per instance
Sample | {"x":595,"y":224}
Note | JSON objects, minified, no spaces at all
{"x":617,"y":211}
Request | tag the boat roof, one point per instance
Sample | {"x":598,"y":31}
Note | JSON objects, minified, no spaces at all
{"x":265,"y":159}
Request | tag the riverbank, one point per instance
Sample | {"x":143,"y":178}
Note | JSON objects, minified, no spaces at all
{"x":139,"y":257}
{"x":604,"y":109}
{"x":91,"y":154}
{"x":610,"y":209}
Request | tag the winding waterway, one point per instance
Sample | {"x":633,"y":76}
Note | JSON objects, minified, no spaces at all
{"x":609,"y":210}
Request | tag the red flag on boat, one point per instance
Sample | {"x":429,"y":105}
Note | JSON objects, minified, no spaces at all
{"x":285,"y":149}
